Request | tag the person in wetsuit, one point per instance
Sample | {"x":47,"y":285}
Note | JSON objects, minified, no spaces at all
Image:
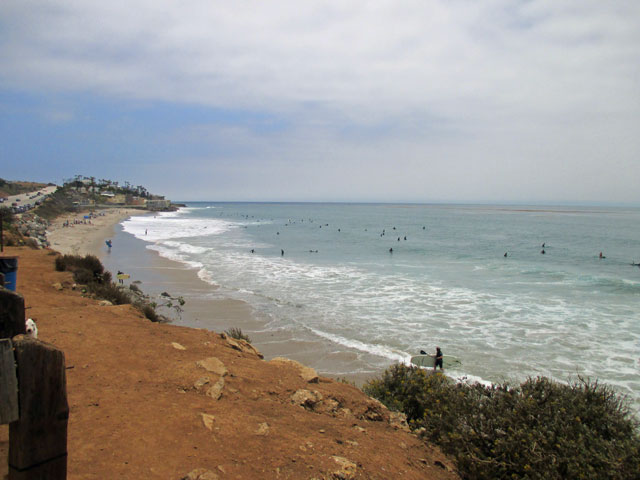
{"x":439,"y":358}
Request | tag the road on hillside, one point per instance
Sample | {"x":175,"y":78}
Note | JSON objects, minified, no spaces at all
{"x":28,"y":200}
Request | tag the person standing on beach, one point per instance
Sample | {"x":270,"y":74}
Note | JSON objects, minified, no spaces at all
{"x":439,"y":359}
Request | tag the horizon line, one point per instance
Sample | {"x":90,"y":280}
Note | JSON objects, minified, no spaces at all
{"x":400,"y":202}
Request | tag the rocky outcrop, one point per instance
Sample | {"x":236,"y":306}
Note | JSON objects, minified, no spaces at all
{"x":207,"y":420}
{"x":347,"y":469}
{"x":34,"y":228}
{"x":306,"y":398}
{"x":398,"y":420}
{"x":241,"y":345}
{"x":213,"y":365}
{"x":308,"y":374}
{"x":215,"y":391}
{"x":263,"y":429}
{"x":200,"y":474}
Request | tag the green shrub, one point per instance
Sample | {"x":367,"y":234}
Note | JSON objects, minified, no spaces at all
{"x":60,"y":264}
{"x":8,"y":217}
{"x":88,"y":268}
{"x":236,"y":333}
{"x":111,"y":292}
{"x":89,"y":271}
{"x":56,"y":204}
{"x":150,"y":312}
{"x":538,"y":430}
{"x":83,"y":276}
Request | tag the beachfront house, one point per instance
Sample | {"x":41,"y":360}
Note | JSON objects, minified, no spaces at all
{"x":158,"y":204}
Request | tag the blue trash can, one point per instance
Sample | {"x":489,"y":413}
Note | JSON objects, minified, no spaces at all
{"x":9,"y":268}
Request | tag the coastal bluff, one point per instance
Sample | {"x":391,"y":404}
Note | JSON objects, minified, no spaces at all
{"x":151,"y":400}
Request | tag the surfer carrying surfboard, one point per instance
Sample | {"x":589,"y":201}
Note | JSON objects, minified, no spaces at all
{"x":438,"y":361}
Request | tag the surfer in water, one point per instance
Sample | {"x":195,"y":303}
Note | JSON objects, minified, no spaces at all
{"x":438,"y":361}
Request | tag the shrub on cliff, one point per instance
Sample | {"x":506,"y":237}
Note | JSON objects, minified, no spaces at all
{"x":10,"y":235}
{"x":8,"y":217}
{"x":86,"y":270}
{"x":89,"y":271}
{"x":538,"y":430}
{"x":235,"y":332}
{"x":57,"y":203}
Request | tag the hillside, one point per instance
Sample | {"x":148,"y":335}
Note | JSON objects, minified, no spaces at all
{"x":8,"y":187}
{"x":152,"y":400}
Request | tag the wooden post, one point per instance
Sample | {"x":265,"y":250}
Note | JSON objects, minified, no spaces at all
{"x":11,"y":314}
{"x":8,"y":383}
{"x":38,"y":440}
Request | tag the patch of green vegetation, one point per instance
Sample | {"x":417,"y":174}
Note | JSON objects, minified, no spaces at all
{"x":56,"y":204}
{"x":90,"y":272}
{"x":8,"y":187}
{"x":8,"y":217}
{"x":540,"y":429}
{"x":150,"y":313}
{"x":236,"y":333}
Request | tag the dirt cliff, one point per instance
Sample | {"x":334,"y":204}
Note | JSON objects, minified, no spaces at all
{"x":160,"y":401}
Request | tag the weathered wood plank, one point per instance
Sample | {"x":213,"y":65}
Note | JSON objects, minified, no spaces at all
{"x":52,"y":470}
{"x":11,"y":314}
{"x":38,"y":440}
{"x":8,"y":383}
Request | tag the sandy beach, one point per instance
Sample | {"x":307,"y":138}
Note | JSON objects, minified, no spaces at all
{"x":154,"y":276}
{"x":151,"y":272}
{"x":85,"y":236}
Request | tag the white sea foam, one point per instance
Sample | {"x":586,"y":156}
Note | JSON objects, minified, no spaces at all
{"x":512,"y":319}
{"x":175,"y":255}
{"x":379,"y":350}
{"x":170,"y":225}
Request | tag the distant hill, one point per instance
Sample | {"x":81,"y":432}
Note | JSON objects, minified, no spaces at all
{"x":8,"y":187}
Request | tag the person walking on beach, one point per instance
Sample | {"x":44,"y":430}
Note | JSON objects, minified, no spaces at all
{"x":439,"y":358}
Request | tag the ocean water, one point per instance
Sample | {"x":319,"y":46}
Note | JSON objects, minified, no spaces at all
{"x":325,"y":273}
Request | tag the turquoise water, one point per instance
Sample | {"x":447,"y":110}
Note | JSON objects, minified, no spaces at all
{"x":562,"y":314}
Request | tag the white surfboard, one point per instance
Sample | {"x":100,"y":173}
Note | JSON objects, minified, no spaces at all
{"x":428,"y":361}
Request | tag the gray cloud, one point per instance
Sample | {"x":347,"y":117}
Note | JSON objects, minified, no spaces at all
{"x":448,"y":99}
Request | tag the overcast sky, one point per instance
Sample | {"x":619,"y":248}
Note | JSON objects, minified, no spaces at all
{"x":497,"y":101}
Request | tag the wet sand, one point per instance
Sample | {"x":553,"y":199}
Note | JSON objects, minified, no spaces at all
{"x":206,"y":307}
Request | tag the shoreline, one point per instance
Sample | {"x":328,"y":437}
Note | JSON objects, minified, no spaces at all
{"x":205,"y":306}
{"x":153,"y":400}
